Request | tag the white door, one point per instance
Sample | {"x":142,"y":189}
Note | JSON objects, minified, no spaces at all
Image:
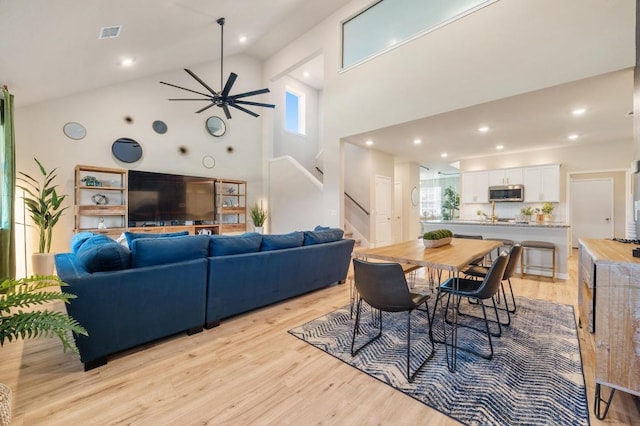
{"x":397,"y":212}
{"x":383,"y":210}
{"x":591,"y":209}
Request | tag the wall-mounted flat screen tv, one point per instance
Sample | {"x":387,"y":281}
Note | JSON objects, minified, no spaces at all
{"x":163,"y":197}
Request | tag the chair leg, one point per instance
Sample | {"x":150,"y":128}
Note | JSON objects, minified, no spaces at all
{"x":356,"y":327}
{"x":411,"y":377}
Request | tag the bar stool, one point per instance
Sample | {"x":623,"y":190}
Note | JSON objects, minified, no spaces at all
{"x":506,"y":245}
{"x":538,"y":245}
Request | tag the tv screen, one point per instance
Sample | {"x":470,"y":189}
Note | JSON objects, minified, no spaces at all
{"x":163,"y":197}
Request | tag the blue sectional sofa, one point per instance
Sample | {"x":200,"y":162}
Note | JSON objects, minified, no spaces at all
{"x":164,"y":284}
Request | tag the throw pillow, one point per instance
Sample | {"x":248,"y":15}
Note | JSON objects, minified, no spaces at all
{"x":225,"y":245}
{"x":321,"y":228}
{"x":324,"y":236}
{"x":100,"y":253}
{"x":130,"y":236}
{"x":277,"y":242}
{"x":163,"y":250}
{"x":78,"y":239}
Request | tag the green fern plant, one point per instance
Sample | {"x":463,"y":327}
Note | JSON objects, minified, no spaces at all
{"x":258,"y":215}
{"x":15,"y":295}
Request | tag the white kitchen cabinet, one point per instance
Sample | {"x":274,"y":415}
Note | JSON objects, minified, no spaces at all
{"x":542,"y":183}
{"x":475,"y":187}
{"x":505,"y":177}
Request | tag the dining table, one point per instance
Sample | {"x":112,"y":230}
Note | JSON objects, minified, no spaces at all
{"x":453,"y":258}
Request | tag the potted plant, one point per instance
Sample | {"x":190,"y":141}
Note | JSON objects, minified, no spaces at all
{"x":16,"y":295}
{"x":527,"y":212}
{"x":437,"y":238}
{"x":258,"y":217}
{"x":45,"y":208}
{"x":450,"y":203}
{"x":547,"y":209}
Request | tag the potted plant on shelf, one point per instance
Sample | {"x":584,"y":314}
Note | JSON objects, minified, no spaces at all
{"x":15,"y":322}
{"x":45,"y":208}
{"x":547,"y":209}
{"x":258,"y":217}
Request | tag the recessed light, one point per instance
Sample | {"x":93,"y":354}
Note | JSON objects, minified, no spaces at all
{"x":417,"y":141}
{"x":126,"y":62}
{"x":578,"y":111}
{"x":483,"y":129}
{"x":306,"y":74}
{"x":444,"y":155}
{"x":242,"y":39}
{"x":573,"y":136}
{"x":498,"y":147}
{"x":369,"y":142}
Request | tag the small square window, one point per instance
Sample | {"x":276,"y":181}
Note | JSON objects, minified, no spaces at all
{"x":294,"y":112}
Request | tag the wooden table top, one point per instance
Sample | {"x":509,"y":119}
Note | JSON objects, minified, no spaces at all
{"x":454,"y":257}
{"x":610,"y":251}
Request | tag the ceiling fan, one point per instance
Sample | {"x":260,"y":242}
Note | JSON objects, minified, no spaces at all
{"x":222,"y":99}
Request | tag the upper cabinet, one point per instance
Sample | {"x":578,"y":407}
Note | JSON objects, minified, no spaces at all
{"x":475,"y":187}
{"x":542,"y":183}
{"x":505,"y":177}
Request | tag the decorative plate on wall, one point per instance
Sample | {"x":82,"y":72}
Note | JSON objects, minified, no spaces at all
{"x":160,"y":127}
{"x":216,"y":126}
{"x":74,"y":130}
{"x":126,"y":150}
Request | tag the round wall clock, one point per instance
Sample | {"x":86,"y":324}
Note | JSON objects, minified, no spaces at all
{"x":208,"y":161}
{"x":414,"y":196}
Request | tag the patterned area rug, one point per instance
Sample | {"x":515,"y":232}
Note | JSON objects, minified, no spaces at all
{"x":534,"y":378}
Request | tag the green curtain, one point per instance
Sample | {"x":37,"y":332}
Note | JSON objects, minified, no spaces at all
{"x":7,"y":187}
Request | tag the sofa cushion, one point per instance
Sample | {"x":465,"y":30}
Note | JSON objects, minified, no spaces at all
{"x":100,"y":253}
{"x":323,"y":236}
{"x":224,"y":245}
{"x":130,"y":236}
{"x":162,"y":250}
{"x":78,"y":239}
{"x":283,"y":241}
{"x":321,"y":228}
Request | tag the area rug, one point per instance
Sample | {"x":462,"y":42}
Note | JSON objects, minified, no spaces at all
{"x":534,"y":378}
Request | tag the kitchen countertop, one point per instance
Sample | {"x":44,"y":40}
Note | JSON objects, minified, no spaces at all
{"x":509,"y":223}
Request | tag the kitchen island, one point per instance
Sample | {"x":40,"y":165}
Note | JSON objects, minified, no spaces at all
{"x":552,"y":232}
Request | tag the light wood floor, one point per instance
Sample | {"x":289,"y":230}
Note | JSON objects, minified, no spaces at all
{"x":248,"y":370}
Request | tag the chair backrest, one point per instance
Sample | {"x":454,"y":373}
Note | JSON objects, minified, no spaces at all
{"x":472,"y":237}
{"x":382,"y":285}
{"x":492,"y":280}
{"x":514,"y":256}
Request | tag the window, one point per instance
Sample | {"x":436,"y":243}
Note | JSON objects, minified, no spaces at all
{"x":294,"y":112}
{"x":389,"y":23}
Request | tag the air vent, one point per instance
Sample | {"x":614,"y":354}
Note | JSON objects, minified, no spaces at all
{"x":110,"y":32}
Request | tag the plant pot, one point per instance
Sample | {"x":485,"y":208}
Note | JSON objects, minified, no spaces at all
{"x":436,"y":243}
{"x":539,"y":218}
{"x":547,"y":217}
{"x":258,"y":229}
{"x":5,"y":405}
{"x":42,"y":263}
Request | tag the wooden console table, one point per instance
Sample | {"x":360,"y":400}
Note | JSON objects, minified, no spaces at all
{"x":609,"y":301}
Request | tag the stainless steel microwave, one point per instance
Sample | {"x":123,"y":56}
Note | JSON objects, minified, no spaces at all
{"x":506,"y":193}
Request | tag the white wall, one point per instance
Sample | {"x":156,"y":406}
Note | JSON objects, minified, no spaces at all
{"x":303,"y":148}
{"x":504,"y":49}
{"x":102,"y":111}
{"x":292,"y":190}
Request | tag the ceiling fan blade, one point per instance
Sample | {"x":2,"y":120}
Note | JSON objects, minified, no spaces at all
{"x":205,"y":108}
{"x":226,"y":111}
{"x":184,"y":88}
{"x":229,"y":84}
{"x":192,"y":74}
{"x":245,"y":110}
{"x":254,"y":92}
{"x":260,"y":104}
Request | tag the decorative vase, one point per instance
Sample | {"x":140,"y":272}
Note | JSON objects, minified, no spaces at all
{"x":547,"y":217}
{"x":5,"y":405}
{"x":436,"y":243}
{"x":42,"y":263}
{"x":539,"y":217}
{"x":258,"y":229}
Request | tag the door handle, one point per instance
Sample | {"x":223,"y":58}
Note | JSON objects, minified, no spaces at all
{"x":607,"y":219}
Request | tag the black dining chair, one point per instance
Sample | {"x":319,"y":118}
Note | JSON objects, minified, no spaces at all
{"x":481,"y":271}
{"x":478,"y":291}
{"x":384,"y":287}
{"x":480,"y":260}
